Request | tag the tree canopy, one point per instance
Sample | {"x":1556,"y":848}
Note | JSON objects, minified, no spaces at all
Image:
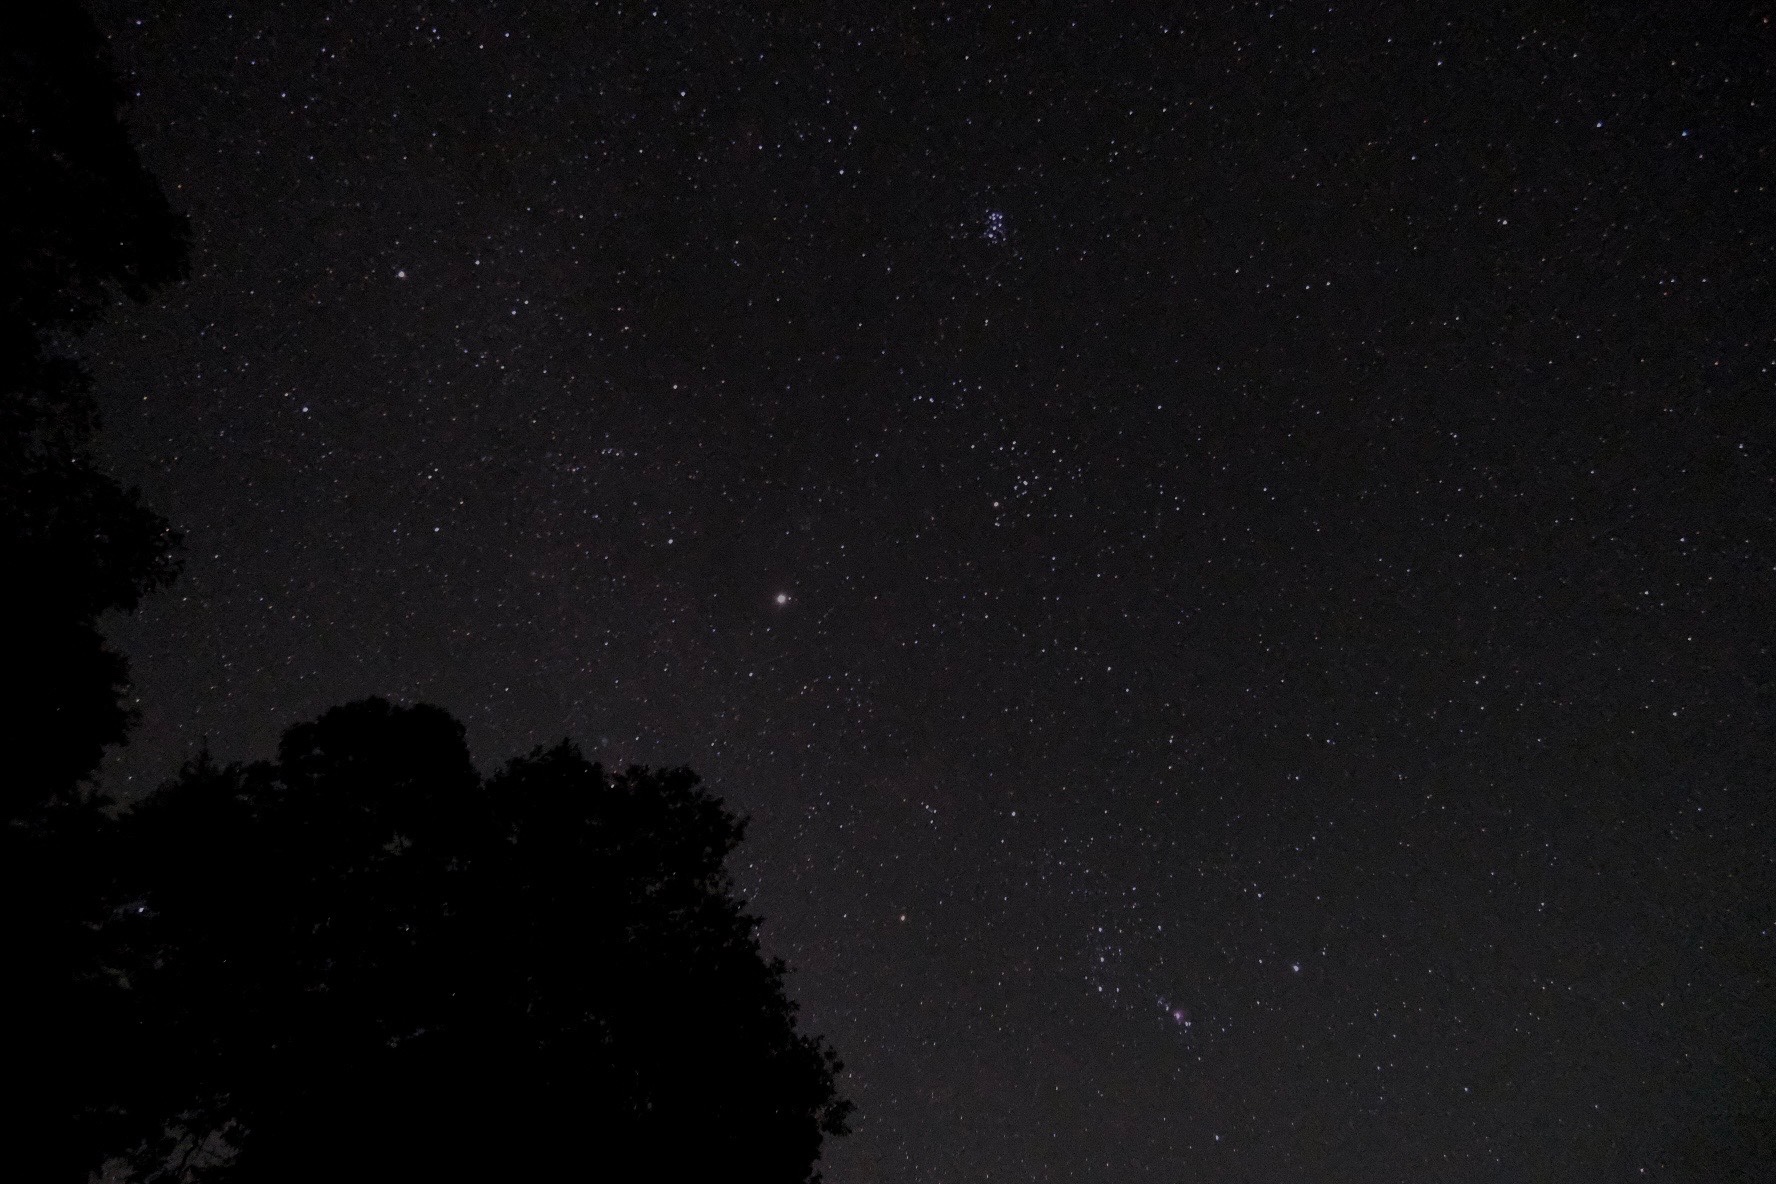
{"x":363,"y":960}
{"x":82,"y":223}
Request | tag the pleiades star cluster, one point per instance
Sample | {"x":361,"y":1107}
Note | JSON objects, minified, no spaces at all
{"x":1226,"y":549}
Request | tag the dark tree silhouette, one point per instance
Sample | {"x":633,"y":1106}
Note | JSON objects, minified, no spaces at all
{"x":81,"y":224}
{"x":362,"y":961}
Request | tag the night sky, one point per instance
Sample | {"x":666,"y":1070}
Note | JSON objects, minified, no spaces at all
{"x":1226,"y":549}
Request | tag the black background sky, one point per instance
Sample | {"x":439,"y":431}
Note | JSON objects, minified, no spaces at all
{"x":1227,"y":549}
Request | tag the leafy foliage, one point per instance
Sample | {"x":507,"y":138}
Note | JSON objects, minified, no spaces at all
{"x":81,"y":224}
{"x":363,"y":961}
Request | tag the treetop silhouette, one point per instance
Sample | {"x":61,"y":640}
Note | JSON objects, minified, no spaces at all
{"x":362,"y":960}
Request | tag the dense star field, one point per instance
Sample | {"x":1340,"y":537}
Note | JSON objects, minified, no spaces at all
{"x":1226,"y":549}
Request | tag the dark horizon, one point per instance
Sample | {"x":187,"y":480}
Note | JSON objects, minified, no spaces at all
{"x":1226,"y":553}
